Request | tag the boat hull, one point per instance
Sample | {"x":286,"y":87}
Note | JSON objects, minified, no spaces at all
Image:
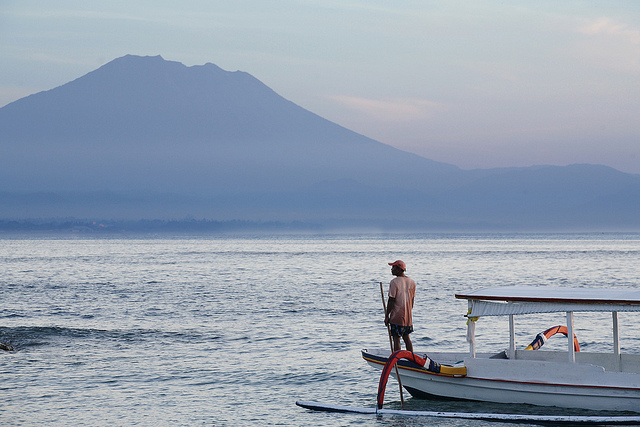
{"x":540,"y":383}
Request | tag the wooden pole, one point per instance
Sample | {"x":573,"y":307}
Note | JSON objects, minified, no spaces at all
{"x":384,"y":304}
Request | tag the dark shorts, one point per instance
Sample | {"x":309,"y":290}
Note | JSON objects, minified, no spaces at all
{"x":400,"y":331}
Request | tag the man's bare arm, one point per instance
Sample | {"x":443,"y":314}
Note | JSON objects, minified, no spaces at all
{"x":390,"y":304}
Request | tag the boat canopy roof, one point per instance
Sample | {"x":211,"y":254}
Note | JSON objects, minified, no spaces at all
{"x":501,"y":301}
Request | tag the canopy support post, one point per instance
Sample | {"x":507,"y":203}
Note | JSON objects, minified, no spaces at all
{"x":471,"y":332}
{"x":572,"y":351}
{"x":616,"y":339}
{"x":512,"y":337}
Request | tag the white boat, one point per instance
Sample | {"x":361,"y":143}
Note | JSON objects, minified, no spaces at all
{"x":567,"y":378}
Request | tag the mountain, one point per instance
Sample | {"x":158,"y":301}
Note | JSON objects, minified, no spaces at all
{"x":149,"y":124}
{"x":142,"y":137}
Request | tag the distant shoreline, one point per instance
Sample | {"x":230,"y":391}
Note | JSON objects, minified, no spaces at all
{"x":83,"y":226}
{"x":92,"y":227}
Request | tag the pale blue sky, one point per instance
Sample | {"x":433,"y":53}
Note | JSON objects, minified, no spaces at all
{"x":474,"y":83}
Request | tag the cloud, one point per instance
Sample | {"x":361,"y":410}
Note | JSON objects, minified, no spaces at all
{"x":608,"y":27}
{"x":398,"y":109}
{"x":609,"y":45}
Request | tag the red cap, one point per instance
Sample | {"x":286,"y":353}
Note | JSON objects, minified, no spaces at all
{"x":400,"y":264}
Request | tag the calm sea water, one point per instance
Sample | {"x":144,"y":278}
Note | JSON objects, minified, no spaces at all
{"x":232,"y":331}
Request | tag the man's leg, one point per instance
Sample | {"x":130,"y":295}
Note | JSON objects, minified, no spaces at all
{"x":407,"y":342}
{"x":396,"y":343}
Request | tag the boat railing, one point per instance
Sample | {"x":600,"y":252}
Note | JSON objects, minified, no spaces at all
{"x":609,"y":361}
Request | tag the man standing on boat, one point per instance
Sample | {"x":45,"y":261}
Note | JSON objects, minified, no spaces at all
{"x":402,"y":293}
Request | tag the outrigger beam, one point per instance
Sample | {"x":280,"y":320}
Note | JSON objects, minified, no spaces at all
{"x":519,"y":418}
{"x":429,"y":364}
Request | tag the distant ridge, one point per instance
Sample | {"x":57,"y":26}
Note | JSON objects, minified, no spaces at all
{"x":142,"y":137}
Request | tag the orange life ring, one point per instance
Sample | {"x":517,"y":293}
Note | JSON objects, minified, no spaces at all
{"x":542,"y":337}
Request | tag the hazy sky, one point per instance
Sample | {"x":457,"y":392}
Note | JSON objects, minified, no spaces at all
{"x":474,"y":83}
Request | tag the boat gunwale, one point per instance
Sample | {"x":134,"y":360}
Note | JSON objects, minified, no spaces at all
{"x":378,"y":360}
